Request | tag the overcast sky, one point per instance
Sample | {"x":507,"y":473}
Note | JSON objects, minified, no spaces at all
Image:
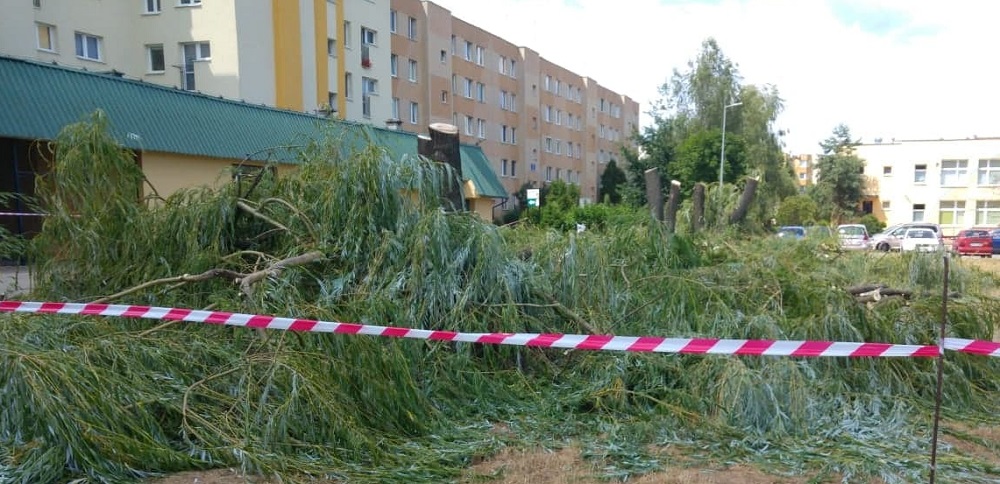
{"x":887,"y":68}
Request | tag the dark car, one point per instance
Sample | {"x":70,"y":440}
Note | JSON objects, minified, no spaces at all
{"x":973,"y":242}
{"x":995,"y":235}
{"x":792,"y":232}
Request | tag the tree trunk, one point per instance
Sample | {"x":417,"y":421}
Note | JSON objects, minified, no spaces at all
{"x":672,"y":205}
{"x":698,"y":217}
{"x":443,"y":147}
{"x":654,"y":193}
{"x":749,"y":191}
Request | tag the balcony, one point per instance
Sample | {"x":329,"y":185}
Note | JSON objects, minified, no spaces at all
{"x":366,"y":60}
{"x":871,"y":187}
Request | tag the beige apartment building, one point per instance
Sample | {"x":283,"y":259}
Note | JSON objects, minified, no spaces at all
{"x":804,"y":167}
{"x":536,"y":121}
{"x":307,"y":55}
{"x":952,"y":182}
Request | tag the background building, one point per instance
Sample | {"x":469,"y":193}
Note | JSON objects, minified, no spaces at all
{"x":954,"y":182}
{"x":535,"y":120}
{"x":306,"y":55}
{"x":804,"y":167}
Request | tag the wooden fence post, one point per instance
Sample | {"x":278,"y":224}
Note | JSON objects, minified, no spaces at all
{"x":654,"y":193}
{"x":673,"y":203}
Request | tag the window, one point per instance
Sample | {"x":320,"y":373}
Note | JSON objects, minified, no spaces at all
{"x":411,"y":28}
{"x":508,"y":134}
{"x":512,"y":72}
{"x":547,"y":114}
{"x":347,"y":34}
{"x":348,"y":89}
{"x":414,"y":113}
{"x":952,"y":213}
{"x":189,"y":3}
{"x":444,"y":56}
{"x":152,"y":6}
{"x":468,"y":51}
{"x":548,"y":145}
{"x":468,"y":87}
{"x":989,"y":172}
{"x":469,"y":125}
{"x":920,"y":174}
{"x":393,"y":65}
{"x":558,"y":173}
{"x":444,"y":97}
{"x":369,"y":86}
{"x":395,"y":108}
{"x":454,"y":41}
{"x":392,"y":21}
{"x":154,"y":56}
{"x":331,"y":101}
{"x":506,"y":101}
{"x":480,"y":55}
{"x":503,"y":167}
{"x":413,"y":71}
{"x":481,"y":92}
{"x":548,"y":83}
{"x":918,"y":212}
{"x":988,"y":212}
{"x":548,"y":173}
{"x":513,"y":167}
{"x":533,"y":167}
{"x":502,"y":65}
{"x":37,"y":3}
{"x":802,"y":176}
{"x":886,"y":206}
{"x":199,"y":51}
{"x":87,"y":46}
{"x":953,"y":172}
{"x":482,"y":129}
{"x":46,"y":37}
{"x":368,"y":36}
{"x":331,"y":47}
{"x":558,"y":120}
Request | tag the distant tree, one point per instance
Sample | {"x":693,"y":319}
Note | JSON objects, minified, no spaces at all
{"x":796,"y":210}
{"x":558,"y":201}
{"x":840,"y":180}
{"x":872,"y":223}
{"x":611,"y":180}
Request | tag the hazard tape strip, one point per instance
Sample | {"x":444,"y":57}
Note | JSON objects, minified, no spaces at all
{"x":975,"y":347}
{"x":567,"y":341}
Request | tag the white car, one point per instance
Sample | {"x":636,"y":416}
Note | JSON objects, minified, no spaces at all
{"x":917,"y":239}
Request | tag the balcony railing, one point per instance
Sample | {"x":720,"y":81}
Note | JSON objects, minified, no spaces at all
{"x":871,"y":188}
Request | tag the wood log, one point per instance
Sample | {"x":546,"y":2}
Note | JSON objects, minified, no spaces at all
{"x":746,"y":199}
{"x":698,"y":198}
{"x":673,"y":203}
{"x":654,"y":193}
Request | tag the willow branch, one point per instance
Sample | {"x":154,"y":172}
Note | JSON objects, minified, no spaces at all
{"x":184,"y":279}
{"x":256,"y":213}
{"x":583,"y":323}
{"x":249,"y":279}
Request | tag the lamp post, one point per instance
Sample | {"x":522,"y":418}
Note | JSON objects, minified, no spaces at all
{"x":722,"y":155}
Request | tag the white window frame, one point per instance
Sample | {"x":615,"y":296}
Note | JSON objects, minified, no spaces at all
{"x":393,"y":20}
{"x":469,"y":122}
{"x":953,"y":208}
{"x":188,"y":3}
{"x":149,"y":59}
{"x":369,"y":36}
{"x":369,"y":86}
{"x":548,"y":173}
{"x":414,"y":113}
{"x":988,"y":212}
{"x":50,"y":34}
{"x":468,"y":51}
{"x":199,"y":50}
{"x":482,"y":128}
{"x":412,"y":69}
{"x":481,"y":92}
{"x":503,"y":167}
{"x":82,"y":49}
{"x":151,"y":7}
{"x":468,"y":87}
{"x":954,"y":173}
{"x":395,"y":108}
{"x":919,"y":170}
{"x":411,"y":28}
{"x":347,"y":34}
{"x":348,"y":88}
{"x":512,"y":72}
{"x":989,"y":171}
{"x":331,"y":47}
{"x":480,"y":55}
{"x":919,"y":212}
{"x":513,"y":168}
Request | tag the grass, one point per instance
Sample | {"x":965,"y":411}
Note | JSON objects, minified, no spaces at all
{"x":109,"y":400}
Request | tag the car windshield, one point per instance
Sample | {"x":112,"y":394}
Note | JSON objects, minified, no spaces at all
{"x":974,"y":233}
{"x":851,"y":231}
{"x":791,"y":231}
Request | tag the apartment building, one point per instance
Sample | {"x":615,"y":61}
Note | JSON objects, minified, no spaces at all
{"x":804,"y":167}
{"x":952,"y":182}
{"x":536,"y":121}
{"x":307,"y":55}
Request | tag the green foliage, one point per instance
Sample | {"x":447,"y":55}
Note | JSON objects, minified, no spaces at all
{"x":797,"y":210}
{"x":114,"y":400}
{"x":557,"y":202}
{"x":12,"y":246}
{"x":872,"y":223}
{"x":841,"y":180}
{"x":612,"y":178}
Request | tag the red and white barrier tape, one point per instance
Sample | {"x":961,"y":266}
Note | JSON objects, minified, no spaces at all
{"x":568,"y":341}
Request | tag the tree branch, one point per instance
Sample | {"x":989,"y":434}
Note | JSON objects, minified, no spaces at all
{"x":249,"y":279}
{"x":186,"y":278}
{"x":583,"y":323}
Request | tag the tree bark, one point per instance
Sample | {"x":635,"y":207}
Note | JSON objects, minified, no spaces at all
{"x":746,"y":199}
{"x":698,"y":217}
{"x":443,"y":147}
{"x":672,"y":205}
{"x":654,"y":193}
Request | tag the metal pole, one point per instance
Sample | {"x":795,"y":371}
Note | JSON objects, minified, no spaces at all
{"x":940,"y":372}
{"x":722,"y":153}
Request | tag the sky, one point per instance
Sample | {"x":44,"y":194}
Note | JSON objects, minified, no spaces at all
{"x":903,"y":69}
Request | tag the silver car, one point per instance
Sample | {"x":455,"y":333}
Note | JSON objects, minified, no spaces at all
{"x":853,"y":237}
{"x":892,"y":237}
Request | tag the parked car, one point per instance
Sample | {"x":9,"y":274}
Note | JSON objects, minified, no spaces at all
{"x":995,"y":235}
{"x":853,"y":237}
{"x":920,"y":239}
{"x":792,"y":232}
{"x":891,"y":237}
{"x":973,"y":242}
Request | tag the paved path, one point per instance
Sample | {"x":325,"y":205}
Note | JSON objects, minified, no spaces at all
{"x":14,"y":280}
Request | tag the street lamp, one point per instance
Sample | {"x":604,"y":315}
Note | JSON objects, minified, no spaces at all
{"x":722,"y":155}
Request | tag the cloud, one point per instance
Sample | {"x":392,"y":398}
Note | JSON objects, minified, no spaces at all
{"x":887,"y":68}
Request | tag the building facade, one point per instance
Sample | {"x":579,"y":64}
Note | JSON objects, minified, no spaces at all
{"x":306,"y":55}
{"x":804,"y":167}
{"x":537,"y":121}
{"x":952,"y":182}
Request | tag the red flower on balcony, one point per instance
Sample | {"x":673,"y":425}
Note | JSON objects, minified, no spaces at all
{"x":366,"y":63}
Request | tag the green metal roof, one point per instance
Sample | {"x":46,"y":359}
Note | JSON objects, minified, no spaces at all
{"x":40,"y":99}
